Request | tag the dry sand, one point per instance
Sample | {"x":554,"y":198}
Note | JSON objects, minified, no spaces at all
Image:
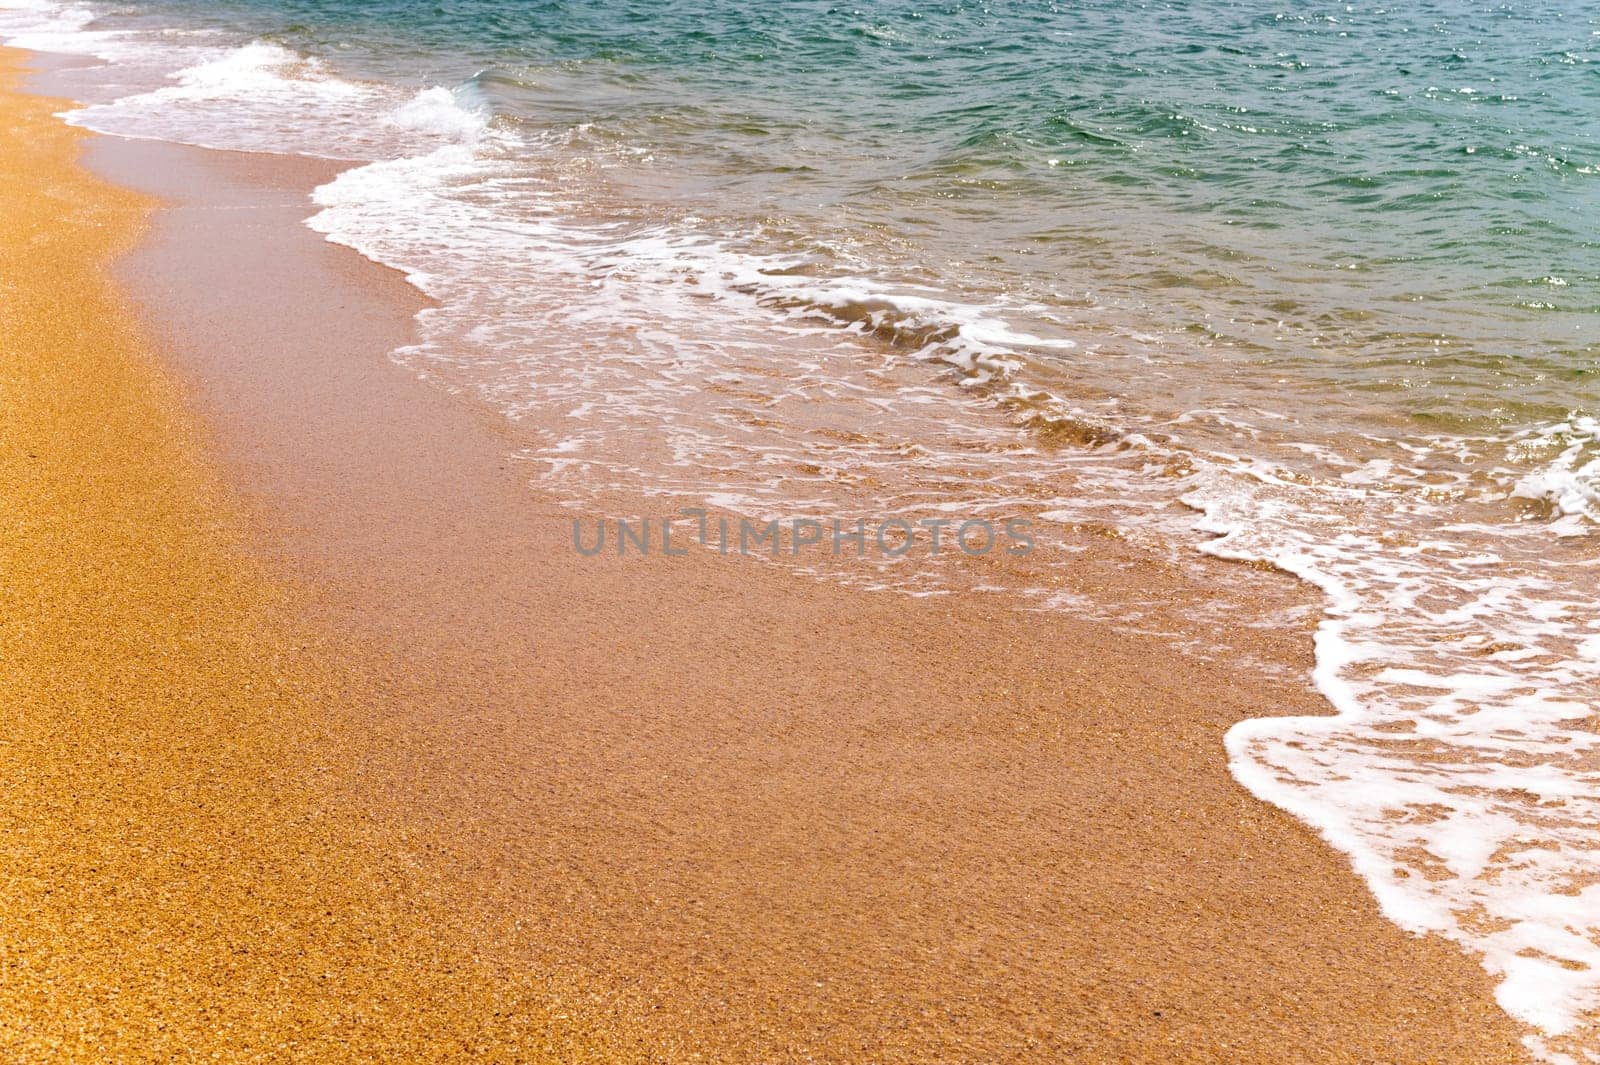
{"x":334,"y":750}
{"x":186,"y":870}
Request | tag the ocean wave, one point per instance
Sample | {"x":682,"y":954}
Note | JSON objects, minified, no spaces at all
{"x":1568,"y":485}
{"x":43,"y":26}
{"x":263,"y":97}
{"x":1458,"y":768}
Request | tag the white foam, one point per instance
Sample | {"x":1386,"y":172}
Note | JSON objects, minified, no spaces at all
{"x":439,"y":112}
{"x":47,"y":27}
{"x":1464,"y":785}
{"x":255,"y":97}
{"x":1570,"y":482}
{"x":251,"y":96}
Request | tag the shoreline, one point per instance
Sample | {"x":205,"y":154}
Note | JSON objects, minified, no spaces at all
{"x":849,"y":840}
{"x":184,"y":876}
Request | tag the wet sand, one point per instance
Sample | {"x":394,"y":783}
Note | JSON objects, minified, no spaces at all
{"x":331,"y":747}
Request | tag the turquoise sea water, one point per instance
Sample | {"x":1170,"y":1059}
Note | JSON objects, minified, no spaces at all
{"x":1410,"y":188}
{"x":1310,"y":285}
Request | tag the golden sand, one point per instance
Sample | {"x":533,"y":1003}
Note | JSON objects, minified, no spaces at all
{"x":786,"y":826}
{"x":179,"y":877}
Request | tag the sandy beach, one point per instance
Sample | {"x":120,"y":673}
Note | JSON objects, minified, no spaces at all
{"x":323,"y":744}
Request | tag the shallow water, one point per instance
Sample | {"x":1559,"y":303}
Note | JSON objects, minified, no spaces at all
{"x":1317,"y":287}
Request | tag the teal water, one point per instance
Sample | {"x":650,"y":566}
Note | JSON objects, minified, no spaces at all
{"x":1411,"y":186}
